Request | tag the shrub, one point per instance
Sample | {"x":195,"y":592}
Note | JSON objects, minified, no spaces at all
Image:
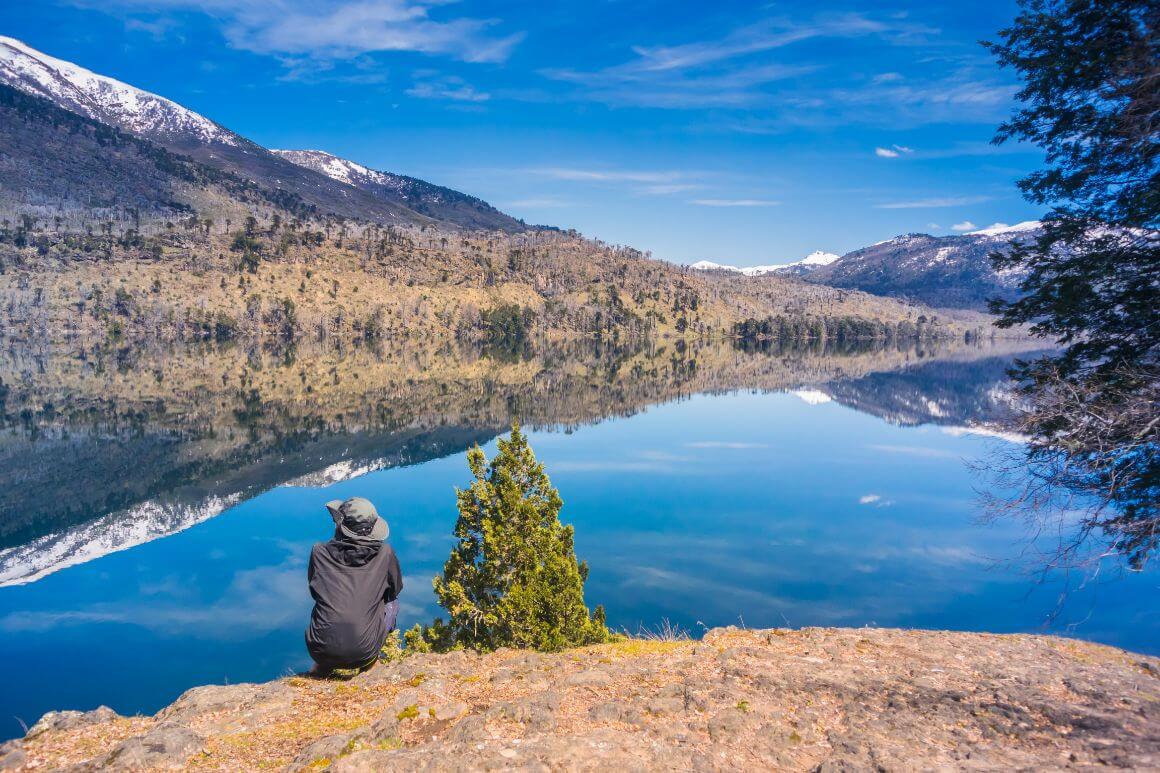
{"x":513,"y":579}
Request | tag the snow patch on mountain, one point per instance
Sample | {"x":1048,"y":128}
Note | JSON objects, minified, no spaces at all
{"x":814,"y":260}
{"x":356,"y":174}
{"x":347,"y":469}
{"x":102,"y":98}
{"x":332,"y":166}
{"x":1000,"y":229}
{"x":812,"y":396}
{"x":112,"y":533}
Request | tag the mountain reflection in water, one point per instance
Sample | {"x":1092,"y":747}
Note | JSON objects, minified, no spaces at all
{"x":158,"y":507}
{"x":101,"y":453}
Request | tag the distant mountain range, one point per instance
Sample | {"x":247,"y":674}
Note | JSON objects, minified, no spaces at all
{"x":807,"y":264}
{"x":945,"y":271}
{"x":300,"y":179}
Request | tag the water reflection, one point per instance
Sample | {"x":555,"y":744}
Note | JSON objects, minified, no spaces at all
{"x":101,"y":451}
{"x":702,"y":496}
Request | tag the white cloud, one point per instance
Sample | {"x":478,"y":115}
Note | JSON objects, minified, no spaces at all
{"x":643,"y":182}
{"x":726,"y":71}
{"x":449,"y":87}
{"x":920,"y":451}
{"x":868,"y":499}
{"x":934,"y":226}
{"x":734,"y":202}
{"x":340,"y":30}
{"x":966,"y":225}
{"x":544,"y":202}
{"x":666,"y":189}
{"x":608,"y":175}
{"x":935,"y":203}
{"x":894,"y":151}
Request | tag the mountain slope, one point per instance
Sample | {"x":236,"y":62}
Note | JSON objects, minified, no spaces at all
{"x":942,"y":271}
{"x":57,"y":165}
{"x":426,"y":198}
{"x":179,"y":129}
{"x":946,"y":271}
{"x":104,"y":99}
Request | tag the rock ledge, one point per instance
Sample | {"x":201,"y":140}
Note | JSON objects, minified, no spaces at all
{"x":810,"y":699}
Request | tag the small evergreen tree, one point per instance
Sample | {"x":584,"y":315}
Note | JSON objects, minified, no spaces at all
{"x":513,"y":579}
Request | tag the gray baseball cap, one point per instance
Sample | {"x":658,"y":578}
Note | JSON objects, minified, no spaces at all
{"x":358,"y":519}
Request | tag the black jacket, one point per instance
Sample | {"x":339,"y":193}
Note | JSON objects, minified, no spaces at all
{"x":350,"y":582}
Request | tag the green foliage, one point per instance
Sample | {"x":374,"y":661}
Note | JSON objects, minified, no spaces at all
{"x":840,"y":330}
{"x":508,"y":324}
{"x":250,"y":248}
{"x":512,"y":579}
{"x":392,"y":648}
{"x":417,"y":639}
{"x":1090,"y":98}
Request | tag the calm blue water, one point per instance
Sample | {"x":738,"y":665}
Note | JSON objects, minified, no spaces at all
{"x":762,"y":509}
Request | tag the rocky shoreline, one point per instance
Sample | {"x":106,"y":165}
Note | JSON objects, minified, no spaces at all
{"x":811,"y":699}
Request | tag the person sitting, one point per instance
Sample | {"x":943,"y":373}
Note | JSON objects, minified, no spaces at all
{"x":355,"y":581}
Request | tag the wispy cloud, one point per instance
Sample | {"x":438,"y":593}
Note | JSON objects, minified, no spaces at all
{"x":874,"y":499}
{"x":920,"y":451}
{"x":726,"y":71}
{"x":608,"y":175}
{"x":959,"y":95}
{"x":450,"y":87}
{"x":657,"y":461}
{"x":338,"y":30}
{"x":731,"y":444}
{"x":966,"y":225}
{"x":639,"y":181}
{"x":735,"y":202}
{"x":666,"y":189}
{"x":934,"y":203}
{"x":894,"y":151}
{"x":543,"y":202}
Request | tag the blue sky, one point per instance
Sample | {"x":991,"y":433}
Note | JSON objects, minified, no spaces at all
{"x":745,"y":133}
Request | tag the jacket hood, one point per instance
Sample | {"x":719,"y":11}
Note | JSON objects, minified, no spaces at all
{"x":349,"y":553}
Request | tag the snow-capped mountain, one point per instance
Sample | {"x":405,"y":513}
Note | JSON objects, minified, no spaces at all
{"x":952,"y":271}
{"x":807,"y":264}
{"x":301,"y":180}
{"x":1002,"y":229}
{"x":105,"y":99}
{"x":708,"y":265}
{"x":419,"y":195}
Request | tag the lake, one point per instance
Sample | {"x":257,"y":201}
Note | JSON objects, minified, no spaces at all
{"x":158,"y":508}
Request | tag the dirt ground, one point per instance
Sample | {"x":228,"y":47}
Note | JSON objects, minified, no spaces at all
{"x":810,"y":699}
